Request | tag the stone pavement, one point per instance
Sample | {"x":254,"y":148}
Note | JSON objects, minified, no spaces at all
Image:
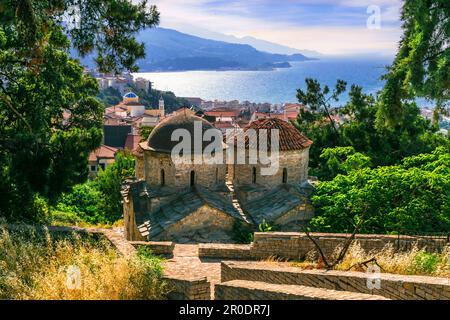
{"x":186,"y":264}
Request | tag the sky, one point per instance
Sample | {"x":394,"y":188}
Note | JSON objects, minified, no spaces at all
{"x":336,"y":27}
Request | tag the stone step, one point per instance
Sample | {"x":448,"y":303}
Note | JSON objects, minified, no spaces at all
{"x":392,"y":286}
{"x":257,"y":290}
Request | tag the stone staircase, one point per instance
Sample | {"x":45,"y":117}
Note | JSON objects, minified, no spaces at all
{"x":234,"y":199}
{"x":268,"y":280}
{"x":253,"y":281}
{"x":258,"y":290}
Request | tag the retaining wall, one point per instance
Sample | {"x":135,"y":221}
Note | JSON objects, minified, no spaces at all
{"x":392,"y":286}
{"x":164,"y":248}
{"x":189,"y":289}
{"x":294,"y":245}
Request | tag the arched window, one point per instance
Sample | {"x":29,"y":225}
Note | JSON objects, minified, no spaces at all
{"x":254,"y":175}
{"x":192,"y":178}
{"x":163,"y":177}
{"x":284,"y":175}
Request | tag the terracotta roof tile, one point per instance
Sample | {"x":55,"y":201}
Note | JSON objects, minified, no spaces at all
{"x":103,"y":152}
{"x":153,"y":112}
{"x":289,"y":137}
{"x":222,"y":113}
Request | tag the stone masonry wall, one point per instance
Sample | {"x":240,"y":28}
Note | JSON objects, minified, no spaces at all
{"x":207,"y":224}
{"x":164,"y":248}
{"x":392,"y":286}
{"x":257,"y":290}
{"x":295,"y":162}
{"x":293,"y":245}
{"x":188,"y":289}
{"x":179,"y":175}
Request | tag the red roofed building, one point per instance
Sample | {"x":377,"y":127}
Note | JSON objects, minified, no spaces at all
{"x":277,"y":193}
{"x":100,"y":158}
{"x":293,"y":107}
{"x":223,"y":115}
{"x":285,"y":116}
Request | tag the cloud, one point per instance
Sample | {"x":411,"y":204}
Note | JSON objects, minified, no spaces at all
{"x":332,"y":40}
{"x":329,"y":26}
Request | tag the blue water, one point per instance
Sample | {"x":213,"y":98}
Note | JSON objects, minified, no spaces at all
{"x":276,"y":86}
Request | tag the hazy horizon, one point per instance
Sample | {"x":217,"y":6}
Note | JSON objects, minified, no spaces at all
{"x":330,"y":27}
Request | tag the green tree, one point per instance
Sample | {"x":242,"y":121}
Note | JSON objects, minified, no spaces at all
{"x":85,"y":202}
{"x":110,"y":96}
{"x":357,"y":128}
{"x":422,"y":65}
{"x":317,"y":121}
{"x":341,"y":160}
{"x":411,"y":196}
{"x":42,"y":151}
{"x":109,"y":183}
{"x":144,"y":132}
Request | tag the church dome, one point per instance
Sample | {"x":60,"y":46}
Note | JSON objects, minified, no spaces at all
{"x":160,"y":138}
{"x":130,"y":95}
{"x":289,"y":137}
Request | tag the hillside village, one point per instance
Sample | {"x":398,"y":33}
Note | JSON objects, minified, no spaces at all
{"x":124,"y":121}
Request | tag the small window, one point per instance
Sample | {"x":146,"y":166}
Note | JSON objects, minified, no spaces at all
{"x":254,"y":175}
{"x":192,"y":178}
{"x":285,"y":175}
{"x":102,"y":165}
{"x":93,"y":168}
{"x":163,"y":177}
{"x":217,"y":175}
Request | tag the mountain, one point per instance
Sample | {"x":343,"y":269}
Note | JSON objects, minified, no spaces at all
{"x":258,"y":44}
{"x":171,"y":50}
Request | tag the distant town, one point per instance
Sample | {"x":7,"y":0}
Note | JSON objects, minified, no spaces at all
{"x":129,"y":122}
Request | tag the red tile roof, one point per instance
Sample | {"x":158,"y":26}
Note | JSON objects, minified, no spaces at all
{"x":105,"y":152}
{"x":184,"y":110}
{"x":289,"y":137}
{"x":153,"y":112}
{"x":222,"y":113}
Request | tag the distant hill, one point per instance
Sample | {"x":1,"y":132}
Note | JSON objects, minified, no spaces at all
{"x":262,"y":45}
{"x":171,"y":50}
{"x":258,"y":44}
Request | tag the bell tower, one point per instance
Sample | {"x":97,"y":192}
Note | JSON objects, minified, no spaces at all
{"x":161,"y":107}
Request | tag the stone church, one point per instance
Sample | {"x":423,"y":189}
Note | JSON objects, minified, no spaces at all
{"x":189,"y":202}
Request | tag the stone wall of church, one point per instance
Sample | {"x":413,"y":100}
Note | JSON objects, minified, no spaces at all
{"x":207,"y":224}
{"x":154,"y":162}
{"x":130,"y":229}
{"x":139,"y":167}
{"x":295,"y":162}
{"x":179,"y":175}
{"x":294,"y":218}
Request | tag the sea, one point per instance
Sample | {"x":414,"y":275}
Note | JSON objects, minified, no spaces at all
{"x":276,"y":86}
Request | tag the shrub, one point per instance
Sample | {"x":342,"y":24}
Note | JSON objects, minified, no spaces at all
{"x":424,"y":263}
{"x":86,"y":202}
{"x":242,"y":233}
{"x":264,"y":226}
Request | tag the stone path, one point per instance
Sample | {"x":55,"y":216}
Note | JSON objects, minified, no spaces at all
{"x":187,"y":265}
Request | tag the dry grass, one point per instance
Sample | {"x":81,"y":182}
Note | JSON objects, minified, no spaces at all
{"x":274,"y":259}
{"x":413,"y":262}
{"x":83,"y":224}
{"x":35,"y":266}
